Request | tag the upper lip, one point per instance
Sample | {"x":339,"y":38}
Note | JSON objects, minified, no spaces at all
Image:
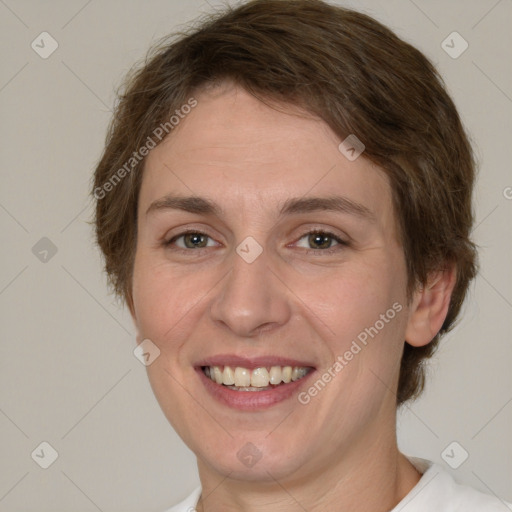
{"x":251,"y":362}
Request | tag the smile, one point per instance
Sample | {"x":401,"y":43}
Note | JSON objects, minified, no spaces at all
{"x":258,"y":379}
{"x":252,"y":383}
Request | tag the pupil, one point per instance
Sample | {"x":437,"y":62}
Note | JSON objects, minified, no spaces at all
{"x":194,"y":239}
{"x":320,"y":240}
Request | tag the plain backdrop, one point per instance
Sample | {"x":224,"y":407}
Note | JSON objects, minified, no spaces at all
{"x":68,"y":375}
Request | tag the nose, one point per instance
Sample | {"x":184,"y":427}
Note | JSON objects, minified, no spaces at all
{"x":251,"y":299}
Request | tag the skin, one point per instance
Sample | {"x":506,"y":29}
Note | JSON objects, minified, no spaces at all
{"x":339,"y":451}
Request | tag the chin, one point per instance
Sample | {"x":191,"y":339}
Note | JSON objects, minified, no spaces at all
{"x":263,"y":461}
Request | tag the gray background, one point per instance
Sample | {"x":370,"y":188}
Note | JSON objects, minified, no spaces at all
{"x":67,"y":372}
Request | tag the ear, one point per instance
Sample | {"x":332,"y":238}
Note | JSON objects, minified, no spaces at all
{"x":429,"y":307}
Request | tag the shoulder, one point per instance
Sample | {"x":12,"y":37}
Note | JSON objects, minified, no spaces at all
{"x":188,"y":504}
{"x":437,"y":490}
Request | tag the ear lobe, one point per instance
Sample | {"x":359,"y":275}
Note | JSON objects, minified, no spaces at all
{"x":430,"y":307}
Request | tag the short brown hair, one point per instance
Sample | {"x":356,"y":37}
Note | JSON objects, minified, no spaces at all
{"x":353,"y":73}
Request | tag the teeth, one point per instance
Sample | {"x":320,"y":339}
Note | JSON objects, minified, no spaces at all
{"x":242,"y":376}
{"x":228,"y":377}
{"x":275,"y":375}
{"x":258,"y":378}
{"x":217,"y":375}
{"x":298,"y":373}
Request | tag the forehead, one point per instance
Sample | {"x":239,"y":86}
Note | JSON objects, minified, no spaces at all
{"x":241,"y":152}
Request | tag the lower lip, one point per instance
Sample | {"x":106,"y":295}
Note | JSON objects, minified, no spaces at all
{"x":252,"y":400}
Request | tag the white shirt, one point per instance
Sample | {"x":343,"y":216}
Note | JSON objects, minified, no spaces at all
{"x":437,"y":491}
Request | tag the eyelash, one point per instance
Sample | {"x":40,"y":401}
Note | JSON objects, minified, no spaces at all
{"x":330,"y":250}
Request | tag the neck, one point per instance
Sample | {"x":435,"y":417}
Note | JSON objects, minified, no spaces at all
{"x":371,"y":475}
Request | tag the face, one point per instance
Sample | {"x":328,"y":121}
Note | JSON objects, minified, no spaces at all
{"x":287,"y":256}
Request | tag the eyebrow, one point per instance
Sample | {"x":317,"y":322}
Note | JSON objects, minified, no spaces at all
{"x":191,"y":204}
{"x":332,"y":203}
{"x":294,"y":205}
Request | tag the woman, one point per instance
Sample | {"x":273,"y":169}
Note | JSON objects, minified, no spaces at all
{"x":284,"y":203}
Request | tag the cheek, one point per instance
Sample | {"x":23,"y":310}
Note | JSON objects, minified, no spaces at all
{"x":348,"y":302}
{"x":160,"y":299}
{"x":164,"y":305}
{"x":366,"y":313}
{"x":170,"y":302}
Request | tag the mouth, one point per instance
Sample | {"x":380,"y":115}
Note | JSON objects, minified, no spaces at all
{"x":258,"y":379}
{"x":253,"y":384}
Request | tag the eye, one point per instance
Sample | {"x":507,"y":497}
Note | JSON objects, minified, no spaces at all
{"x":190,"y":240}
{"x":315,"y":241}
{"x":319,"y":240}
